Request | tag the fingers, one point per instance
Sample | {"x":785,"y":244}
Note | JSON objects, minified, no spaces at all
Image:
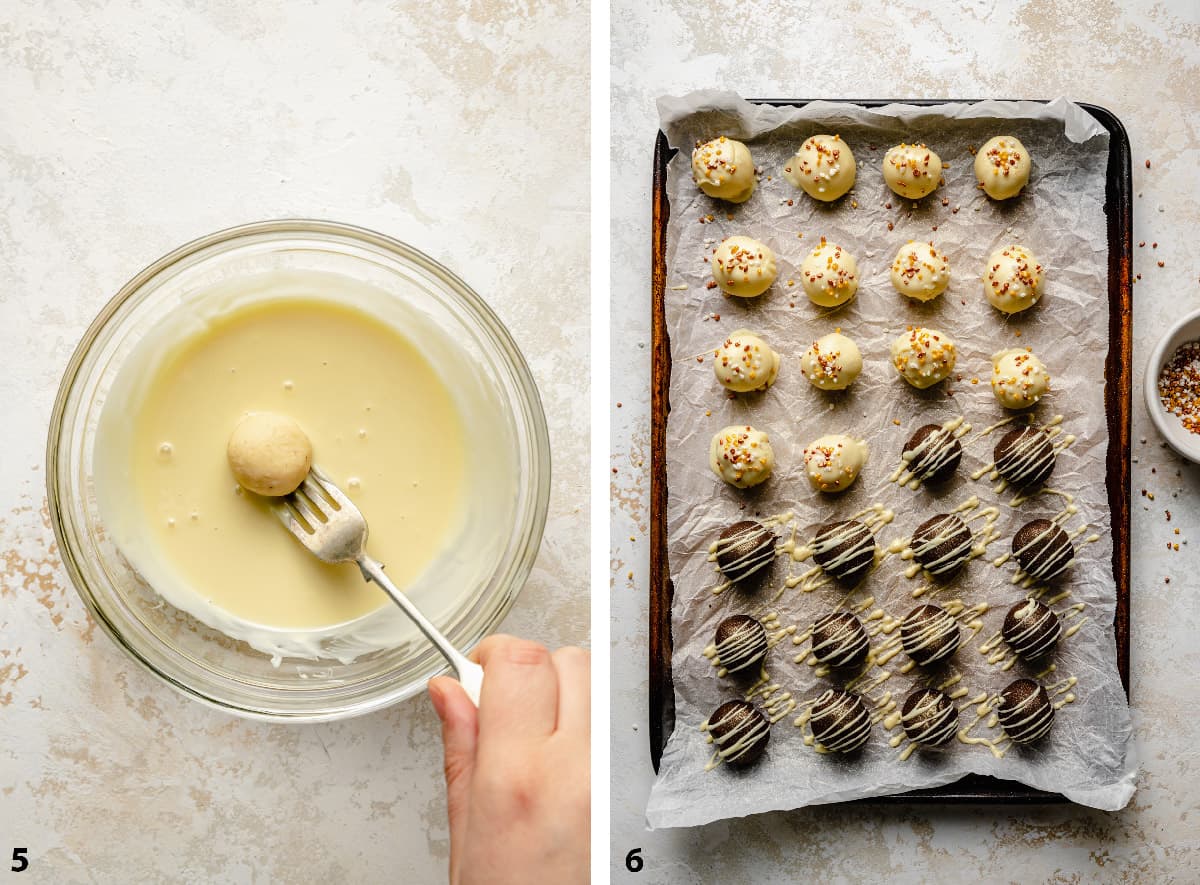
{"x":519,"y":701}
{"x":574,"y":669}
{"x":459,"y":736}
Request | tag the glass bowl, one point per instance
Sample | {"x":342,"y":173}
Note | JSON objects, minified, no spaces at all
{"x":185,"y":653}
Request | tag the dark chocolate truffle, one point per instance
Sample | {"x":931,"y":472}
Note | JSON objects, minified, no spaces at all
{"x":740,"y":732}
{"x":1043,"y":548}
{"x":845,"y":550}
{"x":840,"y":721}
{"x":839,"y":640}
{"x":1025,"y":711}
{"x":1031,"y":629}
{"x":929,"y":634}
{"x":942,"y":544}
{"x":929,"y":717}
{"x":932,"y":454}
{"x":1024,"y":456}
{"x":744,"y":549}
{"x":741,"y":642}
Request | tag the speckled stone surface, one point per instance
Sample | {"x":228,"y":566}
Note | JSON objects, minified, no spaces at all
{"x":1141,"y":60}
{"x":129,"y":128}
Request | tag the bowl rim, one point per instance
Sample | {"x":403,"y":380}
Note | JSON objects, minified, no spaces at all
{"x":1183,"y":441}
{"x":523,"y":562}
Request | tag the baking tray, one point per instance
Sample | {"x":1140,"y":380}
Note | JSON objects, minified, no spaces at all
{"x":1118,"y":384}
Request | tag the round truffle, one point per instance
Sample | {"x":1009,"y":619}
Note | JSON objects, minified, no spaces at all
{"x":932,"y":454}
{"x":912,"y":170}
{"x":744,"y":549}
{"x":832,"y":363}
{"x":723,"y":168}
{"x":928,"y":635}
{"x":920,"y":271}
{"x":1043,"y":549}
{"x":929,"y":717}
{"x":1002,"y":167}
{"x":923,"y":357}
{"x":823,"y":167}
{"x":833,"y":462}
{"x":1025,"y":711}
{"x":741,"y":642}
{"x":840,"y":640}
{"x":1031,"y":629}
{"x":1019,"y":378}
{"x":829,"y":275}
{"x":845,"y":550}
{"x":840,"y":721}
{"x":1013,"y":279}
{"x":740,"y":731}
{"x":745,"y":362}
{"x":1024,"y":456}
{"x":741,"y":455}
{"x":942,"y":544}
{"x":743,"y":266}
{"x":269,"y":454}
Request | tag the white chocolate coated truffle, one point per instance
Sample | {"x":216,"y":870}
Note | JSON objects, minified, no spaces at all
{"x":743,"y":266}
{"x":745,"y":362}
{"x":923,"y":357}
{"x":1019,"y":379}
{"x":833,"y":462}
{"x":741,"y":455}
{"x":823,"y":168}
{"x":723,"y":168}
{"x":1013,"y":279}
{"x":832,"y":362}
{"x":1002,"y":167}
{"x":269,"y":454}
{"x":920,"y":271}
{"x":912,"y":170}
{"x":829,"y":275}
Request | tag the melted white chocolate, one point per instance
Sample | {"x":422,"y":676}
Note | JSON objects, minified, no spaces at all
{"x":299,"y":345}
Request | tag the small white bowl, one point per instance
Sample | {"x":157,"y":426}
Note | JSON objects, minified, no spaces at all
{"x":1180,"y":439}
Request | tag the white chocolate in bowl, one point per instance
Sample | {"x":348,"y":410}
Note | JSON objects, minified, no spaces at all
{"x":398,"y":424}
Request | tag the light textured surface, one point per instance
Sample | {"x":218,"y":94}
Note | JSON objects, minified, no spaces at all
{"x":127,"y":129}
{"x":1140,"y":63}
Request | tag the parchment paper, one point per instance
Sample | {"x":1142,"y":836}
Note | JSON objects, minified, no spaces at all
{"x":1088,"y":755}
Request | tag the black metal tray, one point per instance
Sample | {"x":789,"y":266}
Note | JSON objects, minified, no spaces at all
{"x":1118,"y":208}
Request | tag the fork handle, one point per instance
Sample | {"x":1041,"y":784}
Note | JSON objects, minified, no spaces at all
{"x":470,"y":674}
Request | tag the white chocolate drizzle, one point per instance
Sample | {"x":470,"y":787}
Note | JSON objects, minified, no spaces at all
{"x":775,"y":634}
{"x":974,"y":546}
{"x":1026,"y":455}
{"x":937,"y":444}
{"x":737,"y":742}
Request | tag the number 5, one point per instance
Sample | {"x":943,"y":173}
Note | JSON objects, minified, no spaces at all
{"x":20,"y":861}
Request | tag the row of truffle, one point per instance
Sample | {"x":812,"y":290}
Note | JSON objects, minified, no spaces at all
{"x":744,"y":362}
{"x":824,"y":168}
{"x":846,"y":549}
{"x":841,"y":721}
{"x":742,"y":456}
{"x":929,"y":636}
{"x":1013,"y":278}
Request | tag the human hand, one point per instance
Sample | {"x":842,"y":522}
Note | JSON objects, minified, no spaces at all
{"x":518,"y":784}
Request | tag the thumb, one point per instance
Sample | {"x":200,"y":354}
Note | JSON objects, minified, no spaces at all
{"x":460,"y":727}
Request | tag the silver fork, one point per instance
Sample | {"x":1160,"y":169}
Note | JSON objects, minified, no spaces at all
{"x":325,"y":521}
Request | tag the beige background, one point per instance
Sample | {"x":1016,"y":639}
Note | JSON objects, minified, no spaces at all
{"x":1143,"y":64}
{"x":128,"y":128}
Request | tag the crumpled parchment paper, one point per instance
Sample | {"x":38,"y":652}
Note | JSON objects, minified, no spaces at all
{"x":1088,"y":755}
